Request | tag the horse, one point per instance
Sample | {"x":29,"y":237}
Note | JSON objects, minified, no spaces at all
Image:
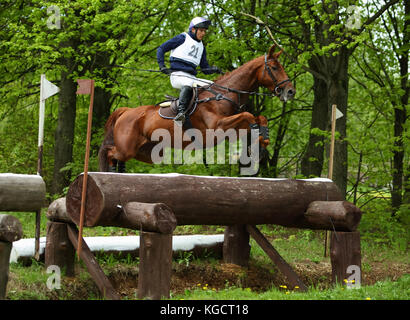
{"x":128,"y":131}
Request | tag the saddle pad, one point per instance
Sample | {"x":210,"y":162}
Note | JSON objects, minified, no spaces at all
{"x":168,"y":108}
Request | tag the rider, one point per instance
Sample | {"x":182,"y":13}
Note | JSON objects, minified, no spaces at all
{"x":187,"y":53}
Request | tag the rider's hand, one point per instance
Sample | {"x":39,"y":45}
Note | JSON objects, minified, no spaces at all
{"x":165,"y":70}
{"x":215,"y":69}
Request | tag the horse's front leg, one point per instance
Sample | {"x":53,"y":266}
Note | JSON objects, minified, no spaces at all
{"x":246,"y":120}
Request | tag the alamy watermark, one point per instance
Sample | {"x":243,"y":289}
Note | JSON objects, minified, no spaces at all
{"x":354,"y":20}
{"x":54,"y":17}
{"x":54,"y":281}
{"x":354,"y":280}
{"x":247,"y":155}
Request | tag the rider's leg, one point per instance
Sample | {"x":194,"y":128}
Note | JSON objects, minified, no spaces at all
{"x":185,"y":97}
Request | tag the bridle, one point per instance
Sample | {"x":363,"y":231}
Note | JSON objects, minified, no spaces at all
{"x":278,"y":89}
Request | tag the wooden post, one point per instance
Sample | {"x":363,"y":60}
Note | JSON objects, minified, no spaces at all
{"x":10,"y":230}
{"x":5,"y":249}
{"x":330,"y":170}
{"x":276,"y":258}
{"x":87,"y":89}
{"x":154,"y":278}
{"x":100,"y":279}
{"x":59,"y":250}
{"x":344,"y":252}
{"x":236,"y":248}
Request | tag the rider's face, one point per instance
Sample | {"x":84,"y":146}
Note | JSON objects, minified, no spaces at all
{"x":200,"y":33}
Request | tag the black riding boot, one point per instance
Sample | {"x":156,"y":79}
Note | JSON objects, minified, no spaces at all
{"x":185,"y":97}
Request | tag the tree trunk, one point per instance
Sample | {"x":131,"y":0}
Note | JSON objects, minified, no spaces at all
{"x":201,"y":200}
{"x":400,"y":116}
{"x":64,"y":134}
{"x":312,"y":161}
{"x":280,"y":135}
{"x":338,"y":95}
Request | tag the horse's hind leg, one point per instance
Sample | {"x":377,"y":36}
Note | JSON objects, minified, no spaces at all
{"x":113,"y":167}
{"x":121,"y":167}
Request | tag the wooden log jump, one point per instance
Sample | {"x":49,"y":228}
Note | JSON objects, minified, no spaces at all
{"x":10,"y":230}
{"x":200,"y":200}
{"x":21,"y":192}
{"x":156,"y":204}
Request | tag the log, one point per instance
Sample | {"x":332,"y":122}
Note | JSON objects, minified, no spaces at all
{"x":59,"y":250}
{"x":154,"y":217}
{"x":201,"y":200}
{"x":276,"y":258}
{"x":21,"y":192}
{"x":345,"y":253}
{"x":5,"y":249}
{"x":10,"y":228}
{"x":154,"y":275}
{"x":98,"y":275}
{"x":57,"y":211}
{"x":342,"y":215}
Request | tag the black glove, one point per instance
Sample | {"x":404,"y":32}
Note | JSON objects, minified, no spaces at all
{"x":215,"y":69}
{"x":165,"y":70}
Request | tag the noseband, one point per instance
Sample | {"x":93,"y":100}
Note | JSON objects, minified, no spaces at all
{"x":277,"y":90}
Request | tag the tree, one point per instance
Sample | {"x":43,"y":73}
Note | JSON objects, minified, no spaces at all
{"x":386,"y":64}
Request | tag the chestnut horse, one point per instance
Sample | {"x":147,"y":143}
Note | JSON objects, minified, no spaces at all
{"x":128,"y":131}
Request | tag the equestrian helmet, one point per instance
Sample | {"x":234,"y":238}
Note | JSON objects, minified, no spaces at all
{"x":199,"y":22}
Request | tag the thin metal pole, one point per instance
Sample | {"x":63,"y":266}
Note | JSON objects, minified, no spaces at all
{"x":85,"y":178}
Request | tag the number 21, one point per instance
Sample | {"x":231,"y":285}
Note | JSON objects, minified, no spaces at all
{"x":194,"y":52}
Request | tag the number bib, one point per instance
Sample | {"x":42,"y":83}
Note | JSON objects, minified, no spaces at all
{"x":190,"y":51}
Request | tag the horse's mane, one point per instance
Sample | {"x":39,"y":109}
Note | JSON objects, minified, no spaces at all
{"x":229,"y":74}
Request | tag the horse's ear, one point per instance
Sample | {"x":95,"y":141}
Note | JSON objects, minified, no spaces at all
{"x":271,"y":51}
{"x":277,"y":54}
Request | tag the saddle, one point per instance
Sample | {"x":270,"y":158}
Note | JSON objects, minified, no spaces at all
{"x":168,"y":108}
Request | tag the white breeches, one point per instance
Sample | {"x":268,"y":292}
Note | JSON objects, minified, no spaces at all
{"x":181,"y":78}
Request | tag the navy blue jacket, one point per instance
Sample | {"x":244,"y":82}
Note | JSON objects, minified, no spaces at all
{"x":178,"y":64}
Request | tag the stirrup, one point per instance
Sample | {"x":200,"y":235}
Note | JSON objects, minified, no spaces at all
{"x":180,"y":119}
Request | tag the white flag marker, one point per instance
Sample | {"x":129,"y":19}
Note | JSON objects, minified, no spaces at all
{"x":339,"y":114}
{"x":48,"y":88}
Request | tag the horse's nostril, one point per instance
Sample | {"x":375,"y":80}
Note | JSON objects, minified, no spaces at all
{"x":291,"y":92}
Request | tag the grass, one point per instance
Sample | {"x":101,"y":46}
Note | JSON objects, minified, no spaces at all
{"x":383,"y":290}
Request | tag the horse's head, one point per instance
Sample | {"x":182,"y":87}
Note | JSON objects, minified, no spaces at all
{"x":272,"y":76}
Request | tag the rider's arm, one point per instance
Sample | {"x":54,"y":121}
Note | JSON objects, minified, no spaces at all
{"x":204,"y":65}
{"x":168,"y":46}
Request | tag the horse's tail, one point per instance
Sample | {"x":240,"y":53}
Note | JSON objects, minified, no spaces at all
{"x":108,"y":142}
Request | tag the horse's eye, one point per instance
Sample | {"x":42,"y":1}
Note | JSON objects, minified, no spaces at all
{"x":274,"y":68}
